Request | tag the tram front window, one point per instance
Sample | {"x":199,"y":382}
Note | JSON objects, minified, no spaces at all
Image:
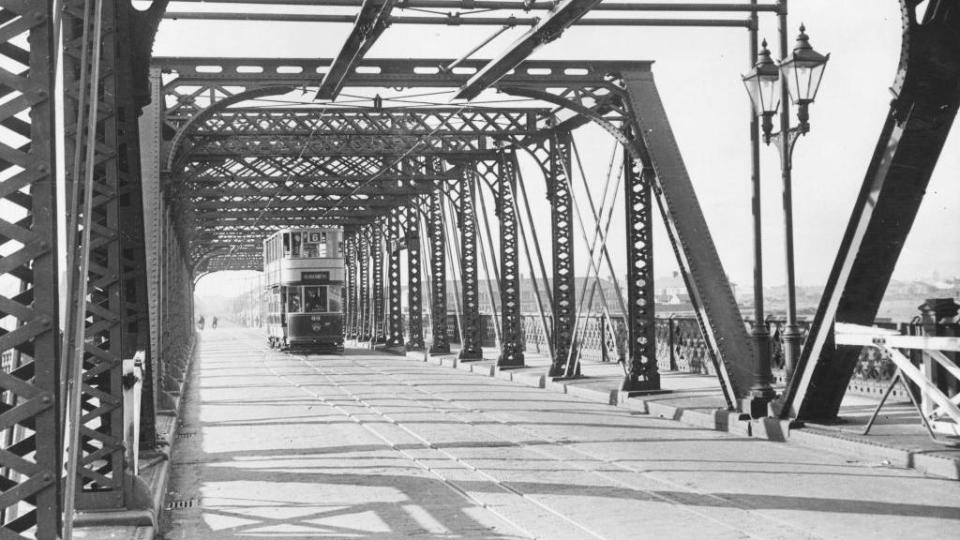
{"x":315,"y":299}
{"x":293,"y":300}
{"x":335,"y":295}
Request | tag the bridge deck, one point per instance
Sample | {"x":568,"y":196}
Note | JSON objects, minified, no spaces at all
{"x":376,"y":446}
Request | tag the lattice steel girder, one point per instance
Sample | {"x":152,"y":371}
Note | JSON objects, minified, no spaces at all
{"x":363,"y":300}
{"x":337,"y":145}
{"x":438,"y":310}
{"x":197,"y":83}
{"x":29,"y":335}
{"x":503,"y":176}
{"x":927,"y":90}
{"x":469,"y":278}
{"x":253,"y":215}
{"x":192,"y":192}
{"x":561,"y":17}
{"x":440,"y":121}
{"x":252,"y":73}
{"x":350,"y":300}
{"x":394,"y":312}
{"x":345,"y":203}
{"x":553,"y":156}
{"x":414,"y":280}
{"x":101,"y":473}
{"x":376,"y":252}
{"x":641,"y":362}
{"x":369,"y":24}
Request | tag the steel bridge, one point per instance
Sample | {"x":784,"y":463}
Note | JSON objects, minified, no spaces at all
{"x":174,"y":168}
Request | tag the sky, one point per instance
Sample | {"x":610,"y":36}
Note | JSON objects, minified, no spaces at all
{"x":698,"y":72}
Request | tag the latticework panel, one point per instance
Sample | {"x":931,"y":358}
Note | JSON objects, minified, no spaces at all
{"x":30,"y":460}
{"x":503,"y":176}
{"x":414,"y":280}
{"x":469,"y":279}
{"x":394,"y":313}
{"x":376,"y":252}
{"x":642,"y":366}
{"x":100,"y":470}
{"x":438,"y":274}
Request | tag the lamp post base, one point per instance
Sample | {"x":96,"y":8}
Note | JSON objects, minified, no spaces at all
{"x":792,"y":343}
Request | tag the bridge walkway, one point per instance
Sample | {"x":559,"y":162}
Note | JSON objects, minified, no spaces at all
{"x":369,"y":445}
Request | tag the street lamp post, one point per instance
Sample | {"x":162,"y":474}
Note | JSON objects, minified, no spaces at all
{"x":797,"y":79}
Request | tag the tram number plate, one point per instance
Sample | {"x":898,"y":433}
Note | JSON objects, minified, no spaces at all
{"x":315,"y":276}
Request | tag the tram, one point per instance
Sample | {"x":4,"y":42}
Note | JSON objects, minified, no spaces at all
{"x":304,"y":282}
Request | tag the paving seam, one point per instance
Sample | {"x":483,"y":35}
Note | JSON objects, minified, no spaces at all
{"x":920,"y":462}
{"x":680,"y":487}
{"x":450,"y":456}
{"x":427,"y":445}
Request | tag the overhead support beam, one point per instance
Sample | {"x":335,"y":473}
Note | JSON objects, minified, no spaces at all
{"x":450,"y":19}
{"x":514,"y":5}
{"x":550,"y":27}
{"x":369,"y":24}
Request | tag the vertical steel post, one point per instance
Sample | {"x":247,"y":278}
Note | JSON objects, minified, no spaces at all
{"x":470,"y":348}
{"x":511,"y":350}
{"x":761,"y":391}
{"x":365,"y":333}
{"x":149,"y":134}
{"x":350,"y":302}
{"x":641,"y":363}
{"x":394,"y":313}
{"x":792,"y":338}
{"x":135,"y":314}
{"x":564,"y":280}
{"x":438,"y":266}
{"x":28,"y":191}
{"x":376,"y":251}
{"x":102,"y":478}
{"x":414,"y":280}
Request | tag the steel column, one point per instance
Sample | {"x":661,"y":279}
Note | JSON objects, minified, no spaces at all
{"x":470,"y":348}
{"x":27,"y":189}
{"x":564,"y":280}
{"x":101,"y":472}
{"x":641,"y":365}
{"x":395,"y":313}
{"x":149,"y":134}
{"x":365,"y":333}
{"x":135,"y":320}
{"x":376,"y":250}
{"x":414,"y":281}
{"x":438,"y":270}
{"x":511,"y":350}
{"x":350,"y":302}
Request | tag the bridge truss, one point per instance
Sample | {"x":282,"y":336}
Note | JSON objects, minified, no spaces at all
{"x":180,"y":170}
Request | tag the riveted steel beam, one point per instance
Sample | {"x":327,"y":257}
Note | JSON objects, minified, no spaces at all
{"x":470,"y":348}
{"x":411,"y":73}
{"x":438,"y":267}
{"x":370,"y":23}
{"x":414,"y":281}
{"x":562,"y":16}
{"x":30,"y":418}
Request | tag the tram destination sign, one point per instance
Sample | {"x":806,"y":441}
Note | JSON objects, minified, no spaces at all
{"x":314,"y":277}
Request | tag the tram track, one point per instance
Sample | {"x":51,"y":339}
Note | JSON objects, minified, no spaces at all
{"x":730,"y":513}
{"x":426,"y":445}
